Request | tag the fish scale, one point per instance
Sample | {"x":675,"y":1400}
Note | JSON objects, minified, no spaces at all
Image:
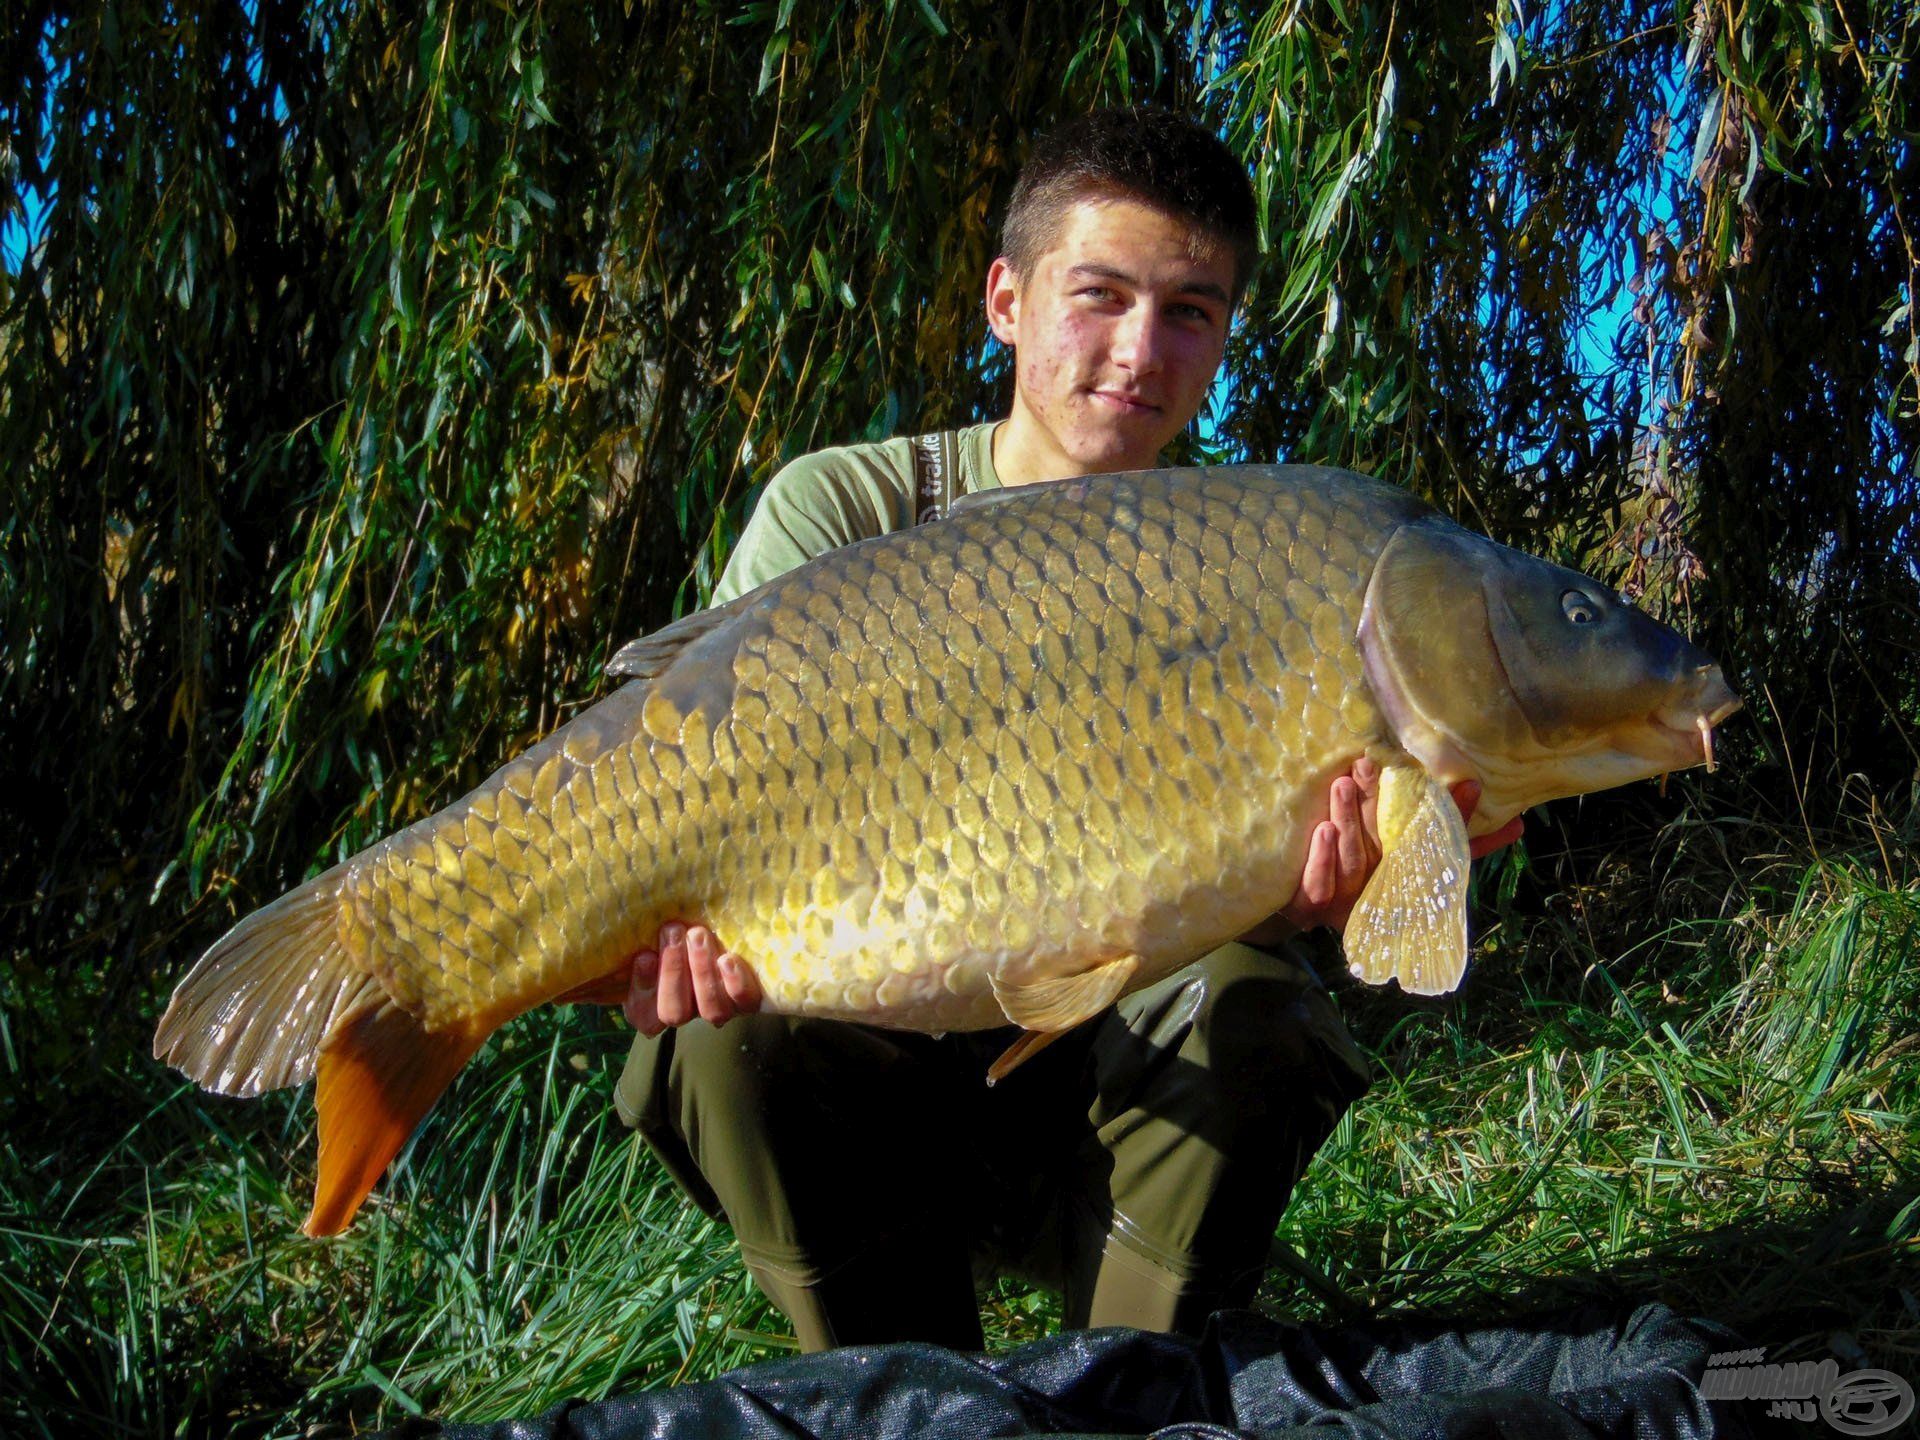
{"x":910,"y":874}
{"x":1002,"y":767}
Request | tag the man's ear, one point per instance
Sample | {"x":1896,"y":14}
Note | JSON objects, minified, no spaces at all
{"x":1003,"y":301}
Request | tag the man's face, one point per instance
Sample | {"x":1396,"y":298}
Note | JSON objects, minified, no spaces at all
{"x":1117,"y":335}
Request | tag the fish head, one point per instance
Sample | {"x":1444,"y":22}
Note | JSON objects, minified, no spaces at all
{"x":1534,"y":679}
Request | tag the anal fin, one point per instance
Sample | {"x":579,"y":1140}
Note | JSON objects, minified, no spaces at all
{"x":378,"y":1076}
{"x":1047,"y":1009}
{"x":1060,"y":1002}
{"x":1410,"y":923}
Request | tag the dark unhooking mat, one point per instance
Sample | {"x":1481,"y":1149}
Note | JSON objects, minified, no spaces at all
{"x":1584,"y":1374}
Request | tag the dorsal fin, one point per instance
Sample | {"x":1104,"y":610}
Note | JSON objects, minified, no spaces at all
{"x":646,"y":657}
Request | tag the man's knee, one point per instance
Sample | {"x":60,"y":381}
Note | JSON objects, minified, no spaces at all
{"x":1261,"y":1022}
{"x":1213,"y":1100}
{"x":1216,"y":1093}
{"x":729,"y":1068}
{"x":753,"y":1121}
{"x":753,"y":1067}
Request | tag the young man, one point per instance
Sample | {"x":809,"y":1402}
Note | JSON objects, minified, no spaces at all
{"x":1141,"y":1163}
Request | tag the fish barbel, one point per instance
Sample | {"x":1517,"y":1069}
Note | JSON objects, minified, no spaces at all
{"x":1006,"y":767}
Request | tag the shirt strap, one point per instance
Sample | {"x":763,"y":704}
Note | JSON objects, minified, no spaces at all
{"x":936,"y":474}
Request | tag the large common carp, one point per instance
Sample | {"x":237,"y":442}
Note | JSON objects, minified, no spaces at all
{"x":1006,"y":767}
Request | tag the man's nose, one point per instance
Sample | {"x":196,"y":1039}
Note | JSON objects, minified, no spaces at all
{"x":1139,"y":340}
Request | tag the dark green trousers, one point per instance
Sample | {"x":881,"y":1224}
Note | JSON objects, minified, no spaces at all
{"x":1139,"y":1165}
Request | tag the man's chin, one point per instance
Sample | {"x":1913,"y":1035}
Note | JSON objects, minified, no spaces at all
{"x":1115,"y":464}
{"x":1109,"y":452}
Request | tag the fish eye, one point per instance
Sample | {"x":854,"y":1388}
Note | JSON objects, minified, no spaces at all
{"x":1579,"y":609}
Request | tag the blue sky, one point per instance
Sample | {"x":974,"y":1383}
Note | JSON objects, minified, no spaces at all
{"x":16,"y":236}
{"x":17,"y":233}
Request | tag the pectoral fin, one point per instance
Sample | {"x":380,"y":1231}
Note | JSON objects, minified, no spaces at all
{"x":1410,"y":923}
{"x":1048,"y":1008}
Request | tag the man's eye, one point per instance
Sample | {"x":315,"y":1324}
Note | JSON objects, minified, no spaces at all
{"x":1099,"y":292}
{"x":1192,"y":312}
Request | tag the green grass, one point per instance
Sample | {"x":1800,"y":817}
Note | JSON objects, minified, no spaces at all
{"x":1714,"y":1106}
{"x":526,"y":1248}
{"x":1720,"y":1115}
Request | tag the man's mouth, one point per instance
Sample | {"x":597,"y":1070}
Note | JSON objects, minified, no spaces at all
{"x":1126,"y":402}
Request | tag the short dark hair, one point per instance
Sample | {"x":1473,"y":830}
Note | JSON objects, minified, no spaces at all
{"x":1137,"y":152}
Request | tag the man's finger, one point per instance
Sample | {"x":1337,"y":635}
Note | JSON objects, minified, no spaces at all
{"x":639,"y":1005}
{"x":1466,"y":797}
{"x":673,"y":997}
{"x":1366,"y":775}
{"x":642,"y":1015}
{"x":1316,"y":882}
{"x":646,"y":970}
{"x":742,"y":987}
{"x":1350,"y":832}
{"x":716,"y":1008}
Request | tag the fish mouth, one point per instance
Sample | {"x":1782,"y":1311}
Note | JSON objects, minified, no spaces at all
{"x":1686,"y":730}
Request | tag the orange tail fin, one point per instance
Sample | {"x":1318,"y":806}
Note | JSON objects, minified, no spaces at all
{"x":378,"y":1077}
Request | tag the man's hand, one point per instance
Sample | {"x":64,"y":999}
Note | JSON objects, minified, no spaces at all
{"x":688,"y":976}
{"x":1346,"y":846}
{"x":1342,"y":852}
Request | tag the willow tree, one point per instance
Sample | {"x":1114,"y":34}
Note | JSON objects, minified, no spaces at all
{"x":1631,"y":284}
{"x":370,"y":370}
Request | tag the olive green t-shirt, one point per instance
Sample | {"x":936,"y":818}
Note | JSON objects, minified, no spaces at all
{"x":838,"y":496}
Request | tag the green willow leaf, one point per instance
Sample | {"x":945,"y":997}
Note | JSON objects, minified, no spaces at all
{"x":452,"y":344}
